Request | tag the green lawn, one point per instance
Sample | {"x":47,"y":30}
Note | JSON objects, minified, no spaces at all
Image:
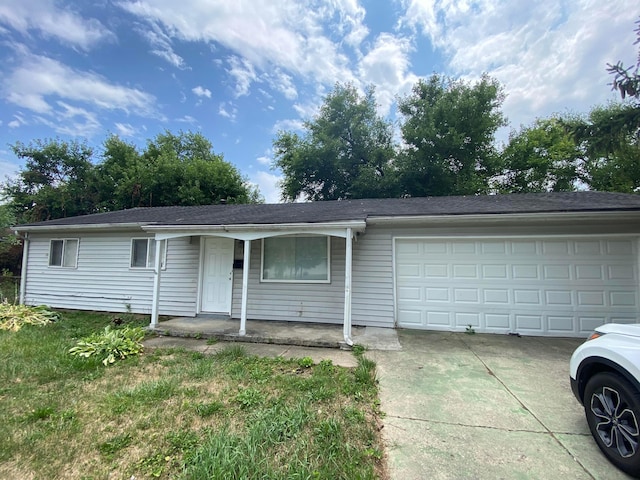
{"x":179,"y":414}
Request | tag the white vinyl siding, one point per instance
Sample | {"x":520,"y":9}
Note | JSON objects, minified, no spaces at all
{"x":372,"y":298}
{"x":302,"y":302}
{"x":63,"y":252}
{"x":104,"y":281}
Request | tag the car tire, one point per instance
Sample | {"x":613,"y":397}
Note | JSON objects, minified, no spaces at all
{"x":612,"y":408}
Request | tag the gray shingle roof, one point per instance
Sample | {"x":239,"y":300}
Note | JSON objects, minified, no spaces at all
{"x":315,"y":212}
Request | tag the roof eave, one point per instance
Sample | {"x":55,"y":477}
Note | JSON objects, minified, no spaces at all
{"x":614,"y":215}
{"x":79,"y":226}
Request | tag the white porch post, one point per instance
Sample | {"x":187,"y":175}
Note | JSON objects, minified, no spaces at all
{"x":245,"y":288}
{"x":23,"y":272}
{"x":347,"y":289}
{"x":157,"y":269}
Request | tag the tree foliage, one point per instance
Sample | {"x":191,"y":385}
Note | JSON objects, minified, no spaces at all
{"x":62,"y":179}
{"x":627,"y":80}
{"x":449,"y":131}
{"x":542,"y":157}
{"x":344,"y":152}
{"x":610,"y":138}
{"x":56,"y":181}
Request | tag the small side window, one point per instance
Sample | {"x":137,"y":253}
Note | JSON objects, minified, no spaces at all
{"x":143,"y":253}
{"x":63,"y":253}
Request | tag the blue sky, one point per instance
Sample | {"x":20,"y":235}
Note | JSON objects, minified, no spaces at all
{"x":238,"y":71}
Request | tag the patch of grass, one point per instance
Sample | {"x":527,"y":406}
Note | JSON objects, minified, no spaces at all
{"x":174,"y":413}
{"x":114,"y":445}
{"x":207,"y":409}
{"x":231,"y":353}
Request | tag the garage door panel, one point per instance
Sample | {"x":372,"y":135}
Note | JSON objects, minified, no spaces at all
{"x":464,"y":320}
{"x":562,"y":286}
{"x":623,"y":299}
{"x":619,"y":247}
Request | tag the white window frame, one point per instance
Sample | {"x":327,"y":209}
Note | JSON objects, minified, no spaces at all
{"x":63,"y":256}
{"x":148,"y":264}
{"x":275,"y":280}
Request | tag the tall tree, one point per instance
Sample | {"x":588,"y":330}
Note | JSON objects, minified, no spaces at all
{"x":58,"y":180}
{"x":542,"y":157}
{"x":448,"y":129}
{"x":610,"y":138}
{"x":344,"y":152}
{"x":173,"y":169}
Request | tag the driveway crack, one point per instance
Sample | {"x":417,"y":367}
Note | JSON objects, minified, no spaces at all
{"x":546,"y":431}
{"x":517,"y":399}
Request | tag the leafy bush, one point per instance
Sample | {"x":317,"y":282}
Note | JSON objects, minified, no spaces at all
{"x":112,"y":344}
{"x":14,"y":317}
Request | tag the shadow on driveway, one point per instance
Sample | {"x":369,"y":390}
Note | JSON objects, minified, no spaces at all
{"x":484,"y":407}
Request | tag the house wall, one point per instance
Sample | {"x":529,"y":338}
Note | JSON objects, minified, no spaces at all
{"x":302,"y":302}
{"x":103,"y":280}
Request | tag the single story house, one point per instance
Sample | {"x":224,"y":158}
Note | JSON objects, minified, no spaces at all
{"x":554,"y":264}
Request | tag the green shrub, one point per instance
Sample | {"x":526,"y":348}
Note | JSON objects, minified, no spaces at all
{"x":111,"y":344}
{"x":14,"y":317}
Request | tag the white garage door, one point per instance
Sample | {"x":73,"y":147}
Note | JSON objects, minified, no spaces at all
{"x":554,"y":287}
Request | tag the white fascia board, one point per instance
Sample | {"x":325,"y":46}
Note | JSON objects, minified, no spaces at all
{"x":77,"y":227}
{"x":555,"y":217}
{"x":255,"y":231}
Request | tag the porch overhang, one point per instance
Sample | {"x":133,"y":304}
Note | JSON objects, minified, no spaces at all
{"x":248,"y":233}
{"x":256,"y":231}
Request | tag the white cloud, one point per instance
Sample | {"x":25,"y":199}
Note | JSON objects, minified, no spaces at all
{"x":227,"y":110}
{"x":289,"y":34}
{"x":283,"y":83}
{"x":287,"y":125}
{"x":187,"y":119}
{"x":387,"y":66}
{"x":161,"y":45}
{"x":38,"y":80}
{"x":52,"y":22}
{"x":18,"y":121}
{"x":264,"y":160}
{"x":243,"y":73}
{"x":268,"y":183}
{"x":201,"y":91}
{"x":549,"y":55}
{"x":125,"y":129}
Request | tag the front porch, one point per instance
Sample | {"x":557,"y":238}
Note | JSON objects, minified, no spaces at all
{"x":275,"y":332}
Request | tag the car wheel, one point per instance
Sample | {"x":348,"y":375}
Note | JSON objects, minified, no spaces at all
{"x":612,"y":407}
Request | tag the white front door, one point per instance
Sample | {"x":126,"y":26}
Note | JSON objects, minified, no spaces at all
{"x":217,"y":275}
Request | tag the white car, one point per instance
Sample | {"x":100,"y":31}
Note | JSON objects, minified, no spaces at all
{"x":605,"y":378}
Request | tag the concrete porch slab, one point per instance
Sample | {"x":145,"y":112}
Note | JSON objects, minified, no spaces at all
{"x":279,"y":333}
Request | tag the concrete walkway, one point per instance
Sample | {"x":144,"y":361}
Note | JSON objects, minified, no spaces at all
{"x":281,"y":333}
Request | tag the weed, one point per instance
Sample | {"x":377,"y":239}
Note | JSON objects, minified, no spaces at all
{"x":305,"y":362}
{"x":212,"y":341}
{"x":114,"y":445}
{"x":208,"y":409}
{"x":231,"y":352}
{"x":358,"y":350}
{"x":249,"y":397}
{"x":470,"y":330}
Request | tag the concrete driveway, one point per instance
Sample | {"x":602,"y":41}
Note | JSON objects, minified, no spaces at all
{"x":484,"y":407}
